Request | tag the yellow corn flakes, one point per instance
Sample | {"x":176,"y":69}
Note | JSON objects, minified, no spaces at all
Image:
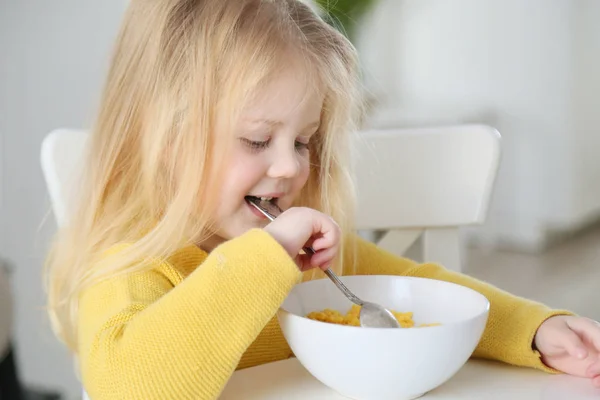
{"x":352,"y":317}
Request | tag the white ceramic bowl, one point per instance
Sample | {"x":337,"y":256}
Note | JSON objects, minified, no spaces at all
{"x":385,"y":364}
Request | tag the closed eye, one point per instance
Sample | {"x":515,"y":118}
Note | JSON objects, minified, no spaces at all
{"x":255,"y":145}
{"x":301,"y":146}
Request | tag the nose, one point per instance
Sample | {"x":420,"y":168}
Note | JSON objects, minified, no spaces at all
{"x":284,"y":164}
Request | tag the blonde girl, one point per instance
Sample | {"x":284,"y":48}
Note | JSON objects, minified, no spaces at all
{"x":165,"y":281}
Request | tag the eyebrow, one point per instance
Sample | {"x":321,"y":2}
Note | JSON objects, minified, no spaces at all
{"x":271,"y":122}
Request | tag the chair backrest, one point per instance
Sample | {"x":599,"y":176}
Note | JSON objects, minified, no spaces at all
{"x":61,"y":157}
{"x":418,"y":186}
{"x":426,"y":177}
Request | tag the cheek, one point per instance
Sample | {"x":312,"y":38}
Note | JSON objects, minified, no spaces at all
{"x":242,"y":174}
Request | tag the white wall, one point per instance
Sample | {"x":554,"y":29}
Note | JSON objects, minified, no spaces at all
{"x":53,"y":60}
{"x":586,"y":109}
{"x":529,"y":68}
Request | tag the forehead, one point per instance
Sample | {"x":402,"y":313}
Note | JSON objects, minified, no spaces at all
{"x":290,"y":96}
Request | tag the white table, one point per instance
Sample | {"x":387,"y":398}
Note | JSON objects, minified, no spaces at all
{"x":476,"y":380}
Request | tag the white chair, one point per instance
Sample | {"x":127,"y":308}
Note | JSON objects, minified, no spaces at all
{"x":416,"y":187}
{"x":61,"y":156}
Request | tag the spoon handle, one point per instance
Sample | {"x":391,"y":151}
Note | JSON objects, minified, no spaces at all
{"x":334,"y":278}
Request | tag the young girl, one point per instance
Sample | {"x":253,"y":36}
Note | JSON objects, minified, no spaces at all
{"x":166,"y":281}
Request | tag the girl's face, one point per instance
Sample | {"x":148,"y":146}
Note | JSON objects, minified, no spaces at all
{"x":270,"y":154}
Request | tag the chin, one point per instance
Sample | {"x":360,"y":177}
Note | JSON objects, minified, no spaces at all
{"x":232,"y":233}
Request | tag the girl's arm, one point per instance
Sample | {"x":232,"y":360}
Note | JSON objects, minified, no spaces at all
{"x":144,"y":336}
{"x":513,"y":321}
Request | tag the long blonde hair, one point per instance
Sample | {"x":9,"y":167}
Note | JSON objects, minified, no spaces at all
{"x":181,"y":71}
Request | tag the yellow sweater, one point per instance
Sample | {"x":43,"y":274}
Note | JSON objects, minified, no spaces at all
{"x":180,"y":329}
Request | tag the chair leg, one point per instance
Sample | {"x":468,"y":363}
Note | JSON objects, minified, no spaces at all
{"x":9,"y":384}
{"x":443,"y":246}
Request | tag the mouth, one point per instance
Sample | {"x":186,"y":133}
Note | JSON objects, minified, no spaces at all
{"x":272,"y":200}
{"x":250,"y":200}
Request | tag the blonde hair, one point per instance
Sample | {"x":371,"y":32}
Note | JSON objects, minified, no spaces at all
{"x":183,"y":69}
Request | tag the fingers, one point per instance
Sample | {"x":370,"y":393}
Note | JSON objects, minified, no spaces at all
{"x":298,"y":227}
{"x":326,"y":234}
{"x":326,"y":242}
{"x":587,"y":329}
{"x":593,"y":370}
{"x":326,"y":248}
{"x":573,"y":344}
{"x":319,"y":260}
{"x":304,"y":262}
{"x":324,"y":259}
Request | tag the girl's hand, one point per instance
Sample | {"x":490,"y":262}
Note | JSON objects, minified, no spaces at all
{"x":299,"y":227}
{"x":571,"y":345}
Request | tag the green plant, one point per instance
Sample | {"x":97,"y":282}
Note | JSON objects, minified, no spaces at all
{"x":345,"y":14}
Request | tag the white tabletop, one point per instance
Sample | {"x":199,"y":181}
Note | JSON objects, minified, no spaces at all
{"x":476,"y":380}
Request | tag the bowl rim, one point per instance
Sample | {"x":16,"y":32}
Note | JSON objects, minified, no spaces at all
{"x":485,"y":311}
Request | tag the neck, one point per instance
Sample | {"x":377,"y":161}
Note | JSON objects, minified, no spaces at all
{"x":211,"y":243}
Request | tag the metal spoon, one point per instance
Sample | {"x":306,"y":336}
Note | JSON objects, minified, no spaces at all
{"x":371,"y":315}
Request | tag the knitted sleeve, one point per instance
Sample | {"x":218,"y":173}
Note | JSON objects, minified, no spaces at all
{"x":513,"y":321}
{"x":143,"y":336}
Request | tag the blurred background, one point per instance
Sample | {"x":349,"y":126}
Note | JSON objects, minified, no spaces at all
{"x":527,"y":67}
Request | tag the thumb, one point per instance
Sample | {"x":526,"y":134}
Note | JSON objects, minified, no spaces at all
{"x":573,"y":344}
